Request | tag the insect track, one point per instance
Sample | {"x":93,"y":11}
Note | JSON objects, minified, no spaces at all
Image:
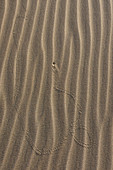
{"x":69,"y":130}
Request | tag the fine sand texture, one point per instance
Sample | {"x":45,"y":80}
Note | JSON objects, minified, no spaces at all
{"x":56,"y":84}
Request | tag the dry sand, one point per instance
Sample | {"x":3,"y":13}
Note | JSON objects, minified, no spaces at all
{"x":56,"y":84}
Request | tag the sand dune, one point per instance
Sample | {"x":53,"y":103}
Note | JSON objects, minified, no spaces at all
{"x":56,"y":82}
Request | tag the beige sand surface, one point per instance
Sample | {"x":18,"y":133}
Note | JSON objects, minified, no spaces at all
{"x":56,"y":84}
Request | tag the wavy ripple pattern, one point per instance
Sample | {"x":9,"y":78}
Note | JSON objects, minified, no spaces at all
{"x":56,"y":67}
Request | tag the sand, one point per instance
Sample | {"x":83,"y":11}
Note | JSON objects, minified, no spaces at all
{"x":56,"y":84}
